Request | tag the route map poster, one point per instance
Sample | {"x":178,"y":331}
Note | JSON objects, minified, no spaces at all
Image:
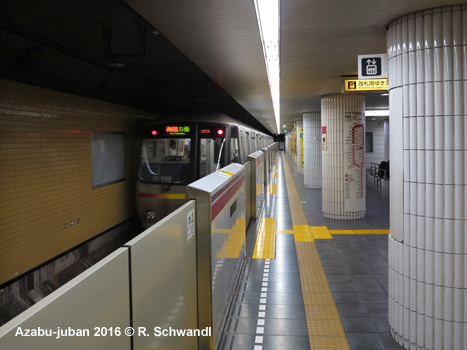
{"x":354,"y":161}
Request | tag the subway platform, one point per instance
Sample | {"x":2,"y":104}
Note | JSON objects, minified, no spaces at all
{"x":310,"y":282}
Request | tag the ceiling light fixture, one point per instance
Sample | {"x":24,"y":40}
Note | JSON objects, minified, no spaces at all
{"x":267,"y":12}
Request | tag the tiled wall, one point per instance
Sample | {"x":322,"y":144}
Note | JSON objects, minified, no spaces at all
{"x":45,"y":173}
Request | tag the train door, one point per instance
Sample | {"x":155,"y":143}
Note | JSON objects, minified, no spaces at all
{"x":243,"y":147}
{"x":247,"y":143}
{"x":235,"y":156}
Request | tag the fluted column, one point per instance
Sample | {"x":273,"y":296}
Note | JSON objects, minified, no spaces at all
{"x":343,"y":160}
{"x":312,"y":149}
{"x":427,"y":55}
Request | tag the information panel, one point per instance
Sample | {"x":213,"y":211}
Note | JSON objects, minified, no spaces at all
{"x":354,"y":163}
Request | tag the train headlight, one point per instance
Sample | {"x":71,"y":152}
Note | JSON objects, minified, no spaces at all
{"x":150,"y":215}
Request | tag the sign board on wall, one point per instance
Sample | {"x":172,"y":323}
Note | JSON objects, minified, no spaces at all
{"x":356,"y":85}
{"x":372,"y":66}
{"x":354,"y":161}
{"x":323,"y":137}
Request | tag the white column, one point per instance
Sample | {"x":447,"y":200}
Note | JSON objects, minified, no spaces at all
{"x":343,"y":116}
{"x":427,"y":54}
{"x":299,"y":127}
{"x":312,"y":149}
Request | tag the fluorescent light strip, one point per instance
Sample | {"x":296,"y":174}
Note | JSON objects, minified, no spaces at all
{"x":267,"y":12}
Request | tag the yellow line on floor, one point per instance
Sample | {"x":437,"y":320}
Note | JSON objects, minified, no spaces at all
{"x":384,"y":232}
{"x":265,"y":247}
{"x":325,"y":330}
{"x":302,"y":233}
{"x":358,"y":232}
{"x":285,"y":232}
{"x":320,"y":232}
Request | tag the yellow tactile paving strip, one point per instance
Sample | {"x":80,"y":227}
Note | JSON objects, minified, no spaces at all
{"x":320,"y":232}
{"x":265,"y":247}
{"x":325,"y":329}
{"x":302,"y":233}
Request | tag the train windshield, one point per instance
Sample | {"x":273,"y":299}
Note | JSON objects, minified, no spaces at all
{"x":165,"y":160}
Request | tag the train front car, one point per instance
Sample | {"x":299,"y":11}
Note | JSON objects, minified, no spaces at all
{"x":165,"y":168}
{"x":172,"y":156}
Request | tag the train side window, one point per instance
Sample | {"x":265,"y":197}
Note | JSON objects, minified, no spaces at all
{"x":234,"y":155}
{"x":247,"y":143}
{"x":242,"y":143}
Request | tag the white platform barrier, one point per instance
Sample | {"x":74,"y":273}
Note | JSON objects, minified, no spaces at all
{"x":163,"y":279}
{"x":256,"y":182}
{"x":93,"y":310}
{"x":267,"y":165}
{"x":89,"y":312}
{"x":247,"y":194}
{"x":220,"y":208}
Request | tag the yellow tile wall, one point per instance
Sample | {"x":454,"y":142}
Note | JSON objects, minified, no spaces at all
{"x":45,"y":173}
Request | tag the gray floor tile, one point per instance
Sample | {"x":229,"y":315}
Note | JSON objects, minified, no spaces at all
{"x":377,"y":310}
{"x":352,"y":310}
{"x":342,"y":287}
{"x":374,"y":298}
{"x":358,"y":325}
{"x":381,"y":324}
{"x":358,"y":270}
{"x":363,"y":278}
{"x":374,"y":287}
{"x":284,"y":327}
{"x":335,"y":270}
{"x":388,"y":342}
{"x":285,"y":342}
{"x":365,"y":341}
{"x":347,"y":298}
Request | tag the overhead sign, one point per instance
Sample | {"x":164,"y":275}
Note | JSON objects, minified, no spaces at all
{"x":357,"y":85}
{"x":372,"y":66}
{"x":177,"y":130}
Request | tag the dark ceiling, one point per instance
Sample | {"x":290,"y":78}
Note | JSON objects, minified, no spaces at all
{"x":104,"y":50}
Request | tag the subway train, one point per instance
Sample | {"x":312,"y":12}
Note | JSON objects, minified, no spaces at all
{"x":183,"y":149}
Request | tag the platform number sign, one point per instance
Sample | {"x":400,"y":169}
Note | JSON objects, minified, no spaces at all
{"x":372,"y":66}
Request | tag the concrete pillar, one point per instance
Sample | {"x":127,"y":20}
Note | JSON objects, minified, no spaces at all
{"x":343,"y":117}
{"x":299,"y":159}
{"x":427,"y":245}
{"x":312,"y":149}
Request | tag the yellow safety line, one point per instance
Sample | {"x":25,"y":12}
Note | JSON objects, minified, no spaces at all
{"x":285,"y":232}
{"x":325,"y":330}
{"x":265,"y":247}
{"x":320,"y":232}
{"x":302,"y":233}
{"x":358,"y":232}
{"x":384,"y":232}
